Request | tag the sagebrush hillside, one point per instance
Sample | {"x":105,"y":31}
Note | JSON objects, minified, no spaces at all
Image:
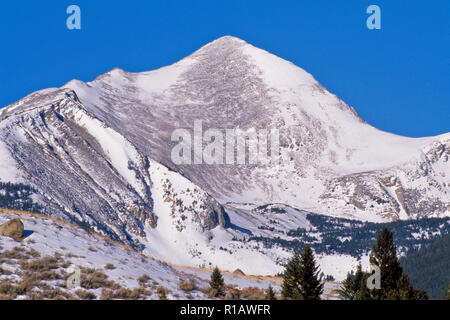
{"x":38,"y":268}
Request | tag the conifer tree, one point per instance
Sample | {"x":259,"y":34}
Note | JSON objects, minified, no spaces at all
{"x":351,"y":286}
{"x":270,"y":294}
{"x":217,"y":283}
{"x":311,"y":283}
{"x":395,"y":285}
{"x":301,"y":280}
{"x":405,"y":289}
{"x":364,"y":293}
{"x":385,"y":257}
{"x":291,"y":279}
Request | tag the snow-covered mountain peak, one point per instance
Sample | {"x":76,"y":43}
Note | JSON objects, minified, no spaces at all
{"x":226,"y":40}
{"x":229,"y":83}
{"x":280,"y":72}
{"x":99,"y":154}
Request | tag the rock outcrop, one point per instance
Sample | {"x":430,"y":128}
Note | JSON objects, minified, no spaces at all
{"x":13,"y":228}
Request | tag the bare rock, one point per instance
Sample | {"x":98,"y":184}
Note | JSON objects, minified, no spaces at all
{"x":13,"y":228}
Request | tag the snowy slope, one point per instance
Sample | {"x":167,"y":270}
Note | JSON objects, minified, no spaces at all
{"x":331,"y":161}
{"x":78,"y":248}
{"x":86,"y":250}
{"x":182,"y":234}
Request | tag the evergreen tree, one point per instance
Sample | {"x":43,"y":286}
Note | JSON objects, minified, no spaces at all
{"x":351,"y":286}
{"x":385,"y":257}
{"x":395,"y":285}
{"x":217,"y":283}
{"x":311,"y":283}
{"x":364,"y":293}
{"x":301,"y":280}
{"x":270,"y":294}
{"x":291,"y":279}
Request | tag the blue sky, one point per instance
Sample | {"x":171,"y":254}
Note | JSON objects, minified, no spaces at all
{"x":397,"y":78}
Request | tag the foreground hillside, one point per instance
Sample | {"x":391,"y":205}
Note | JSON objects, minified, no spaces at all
{"x":38,"y":266}
{"x":258,"y":240}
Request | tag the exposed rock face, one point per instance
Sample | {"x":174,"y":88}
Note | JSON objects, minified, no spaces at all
{"x":327,"y":152}
{"x":215,"y":216}
{"x":190,"y":205}
{"x":13,"y":229}
{"x":85,"y":172}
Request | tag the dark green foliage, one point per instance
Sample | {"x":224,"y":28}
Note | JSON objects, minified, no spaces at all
{"x":217,"y":283}
{"x":291,"y":279}
{"x":17,"y":197}
{"x":395,"y":285}
{"x":429,"y":267}
{"x":385,"y":257}
{"x":265,"y":207}
{"x":364,"y":293}
{"x":329,"y":278}
{"x":270,"y":294}
{"x":311,"y":282}
{"x":301,"y":280}
{"x":352,"y":285}
{"x":407,"y":292}
{"x":359,"y":234}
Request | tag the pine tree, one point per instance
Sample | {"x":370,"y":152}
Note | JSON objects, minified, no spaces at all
{"x":395,"y":285}
{"x":351,"y":286}
{"x":301,"y":280}
{"x":270,"y":294}
{"x":291,"y":279}
{"x":364,"y":293}
{"x":217,"y":283}
{"x":311,"y":283}
{"x":405,"y":289}
{"x":385,"y":257}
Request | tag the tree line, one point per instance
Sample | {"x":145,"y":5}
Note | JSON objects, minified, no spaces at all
{"x":302,"y":279}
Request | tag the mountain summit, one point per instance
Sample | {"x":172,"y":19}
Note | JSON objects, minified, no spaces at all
{"x":331,"y":161}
